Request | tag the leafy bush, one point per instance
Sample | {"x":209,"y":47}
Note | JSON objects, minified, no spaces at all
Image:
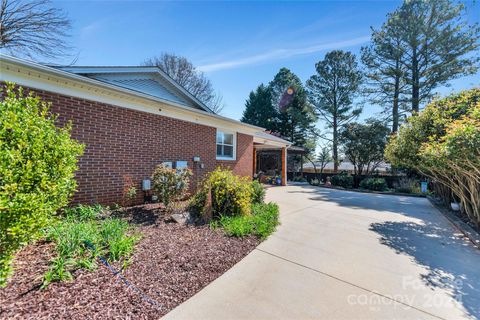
{"x":258,"y":194}
{"x":315,"y":182}
{"x":443,"y":143}
{"x":170,"y":184}
{"x":129,"y":191}
{"x":81,"y":228}
{"x":342,"y":180}
{"x":375,"y":184}
{"x":407,"y":185}
{"x":231,"y":195}
{"x":261,"y":223}
{"x":37,"y":165}
{"x":299,"y":179}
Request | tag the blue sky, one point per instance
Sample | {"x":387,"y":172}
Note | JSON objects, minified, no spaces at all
{"x":237,"y":44}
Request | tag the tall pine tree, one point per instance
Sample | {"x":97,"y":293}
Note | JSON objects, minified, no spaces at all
{"x":332,"y":91}
{"x":385,"y":74}
{"x":437,"y":44}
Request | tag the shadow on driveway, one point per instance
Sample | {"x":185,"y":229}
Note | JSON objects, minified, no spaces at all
{"x":429,"y":240}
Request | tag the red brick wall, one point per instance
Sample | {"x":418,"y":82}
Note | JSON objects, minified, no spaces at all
{"x":121,"y":142}
{"x":244,"y":161}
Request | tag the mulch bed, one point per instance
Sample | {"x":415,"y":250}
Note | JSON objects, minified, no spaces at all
{"x":171,"y":263}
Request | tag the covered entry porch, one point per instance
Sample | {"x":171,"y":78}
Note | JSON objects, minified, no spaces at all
{"x":270,"y":159}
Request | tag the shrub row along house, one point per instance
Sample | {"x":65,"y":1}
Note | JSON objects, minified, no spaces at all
{"x":133,"y":118}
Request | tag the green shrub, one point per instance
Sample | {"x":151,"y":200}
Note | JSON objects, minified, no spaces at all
{"x":83,"y":213}
{"x":407,"y":185}
{"x":299,"y":179}
{"x":261,"y":223}
{"x":315,"y":182}
{"x":231,"y":195}
{"x":37,"y":165}
{"x":109,"y":237}
{"x":170,"y":184}
{"x":375,"y":184}
{"x":258,"y":194}
{"x":342,"y":180}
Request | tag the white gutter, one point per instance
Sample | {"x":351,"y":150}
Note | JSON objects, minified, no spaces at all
{"x":71,"y":76}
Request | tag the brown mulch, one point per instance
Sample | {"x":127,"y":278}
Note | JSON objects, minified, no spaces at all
{"x":171,"y":263}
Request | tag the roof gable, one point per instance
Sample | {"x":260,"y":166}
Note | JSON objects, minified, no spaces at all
{"x":147,"y":80}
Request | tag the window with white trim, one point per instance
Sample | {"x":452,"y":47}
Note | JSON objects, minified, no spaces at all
{"x":225,"y":145}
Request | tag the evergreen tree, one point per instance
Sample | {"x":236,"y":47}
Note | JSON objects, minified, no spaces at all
{"x":332,"y":91}
{"x":296,"y":117}
{"x":437,"y":45}
{"x":385,"y":74}
{"x":259,"y":110}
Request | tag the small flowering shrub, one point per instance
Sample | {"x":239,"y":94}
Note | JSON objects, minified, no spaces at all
{"x":170,"y":184}
{"x":224,"y":194}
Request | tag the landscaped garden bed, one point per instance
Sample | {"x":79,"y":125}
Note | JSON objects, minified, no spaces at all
{"x":170,"y":263}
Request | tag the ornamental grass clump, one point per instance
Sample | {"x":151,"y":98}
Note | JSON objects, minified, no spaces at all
{"x":38,"y":161}
{"x":82,"y":236}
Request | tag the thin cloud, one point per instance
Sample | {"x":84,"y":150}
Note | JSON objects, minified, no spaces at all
{"x":282,"y":54}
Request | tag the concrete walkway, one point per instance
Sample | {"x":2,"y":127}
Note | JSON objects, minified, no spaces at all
{"x":348,"y":255}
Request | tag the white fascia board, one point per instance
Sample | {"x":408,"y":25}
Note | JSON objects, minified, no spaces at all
{"x":271,"y":143}
{"x":50,"y":79}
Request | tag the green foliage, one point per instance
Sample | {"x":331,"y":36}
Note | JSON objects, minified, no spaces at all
{"x":315,"y":182}
{"x":258,"y":192}
{"x":374,"y":184}
{"x":333,"y":89}
{"x":259,"y":110}
{"x":170,"y":184}
{"x":110,"y":237}
{"x":299,"y":179}
{"x":343,"y":180}
{"x":295,"y":116}
{"x":407,"y":185}
{"x":364,"y":144}
{"x":443,"y":143}
{"x":37,"y":165}
{"x":83,"y":213}
{"x":261,"y":223}
{"x":231,"y":195}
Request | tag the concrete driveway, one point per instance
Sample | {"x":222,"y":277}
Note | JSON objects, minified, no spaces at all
{"x":348,"y":255}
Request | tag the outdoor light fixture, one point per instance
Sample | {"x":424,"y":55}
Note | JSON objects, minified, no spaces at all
{"x":146,"y":185}
{"x":196,"y":159}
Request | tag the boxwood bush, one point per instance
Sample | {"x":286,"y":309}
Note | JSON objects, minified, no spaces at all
{"x":375,"y":184}
{"x":37,"y":165}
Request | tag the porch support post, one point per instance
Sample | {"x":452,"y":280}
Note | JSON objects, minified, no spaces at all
{"x":254,"y":161}
{"x":284,"y":166}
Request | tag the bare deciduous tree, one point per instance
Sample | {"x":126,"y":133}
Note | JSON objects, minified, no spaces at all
{"x":186,"y":74}
{"x":30,"y":28}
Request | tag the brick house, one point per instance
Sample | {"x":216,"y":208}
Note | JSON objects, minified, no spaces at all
{"x":134,"y":118}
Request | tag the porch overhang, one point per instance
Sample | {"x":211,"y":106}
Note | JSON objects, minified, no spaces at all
{"x":265,"y":141}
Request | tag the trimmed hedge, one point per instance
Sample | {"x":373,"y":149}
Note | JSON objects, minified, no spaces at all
{"x":342,"y":180}
{"x":374,"y":184}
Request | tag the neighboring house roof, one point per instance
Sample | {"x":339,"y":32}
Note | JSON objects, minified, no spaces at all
{"x":346,"y":166}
